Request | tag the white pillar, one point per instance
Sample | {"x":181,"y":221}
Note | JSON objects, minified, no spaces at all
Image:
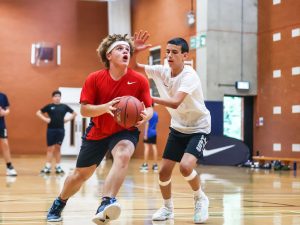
{"x":201,"y":53}
{"x":119,"y":21}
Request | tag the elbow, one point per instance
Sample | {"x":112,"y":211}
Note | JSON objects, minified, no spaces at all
{"x":174,"y":105}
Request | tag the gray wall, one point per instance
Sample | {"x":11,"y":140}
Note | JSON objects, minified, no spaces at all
{"x":223,"y":47}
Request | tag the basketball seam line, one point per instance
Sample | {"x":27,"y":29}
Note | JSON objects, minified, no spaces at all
{"x":125,"y":114}
{"x":136,"y":109}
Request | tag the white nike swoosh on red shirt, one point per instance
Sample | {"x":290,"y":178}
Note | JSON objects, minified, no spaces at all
{"x":131,"y":82}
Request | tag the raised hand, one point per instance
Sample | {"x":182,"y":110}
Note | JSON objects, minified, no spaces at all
{"x":140,"y":39}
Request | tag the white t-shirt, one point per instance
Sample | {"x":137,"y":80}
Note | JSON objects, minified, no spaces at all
{"x":191,"y":116}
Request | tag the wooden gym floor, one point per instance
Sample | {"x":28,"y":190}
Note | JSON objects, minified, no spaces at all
{"x":238,"y":196}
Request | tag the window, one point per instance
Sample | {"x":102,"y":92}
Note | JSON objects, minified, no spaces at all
{"x":154,"y":58}
{"x":233,"y":110}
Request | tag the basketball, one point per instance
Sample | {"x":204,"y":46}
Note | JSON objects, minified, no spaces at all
{"x":128,"y":111}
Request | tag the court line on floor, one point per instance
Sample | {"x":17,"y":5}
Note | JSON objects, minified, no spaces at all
{"x":39,"y":219}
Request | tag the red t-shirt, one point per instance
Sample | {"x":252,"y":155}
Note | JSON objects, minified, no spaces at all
{"x":99,"y":88}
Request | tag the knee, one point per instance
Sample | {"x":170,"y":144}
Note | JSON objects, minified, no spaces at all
{"x":79,"y":176}
{"x":185,"y":169}
{"x":123,"y":153}
{"x":164,"y":175}
{"x":50,"y":149}
{"x":123,"y":158}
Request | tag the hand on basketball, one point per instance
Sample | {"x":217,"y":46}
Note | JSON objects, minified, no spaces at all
{"x":111,"y":107}
{"x":47,"y":120}
{"x":144,"y":116}
{"x":140,"y":39}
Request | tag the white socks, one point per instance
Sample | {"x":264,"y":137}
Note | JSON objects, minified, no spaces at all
{"x":199,"y":193}
{"x":168,"y":203}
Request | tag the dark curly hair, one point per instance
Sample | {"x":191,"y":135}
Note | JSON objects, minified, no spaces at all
{"x":108,"y":41}
{"x":180,"y":42}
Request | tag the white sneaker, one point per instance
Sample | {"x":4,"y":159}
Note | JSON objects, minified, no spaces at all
{"x":11,"y":172}
{"x":162,"y":214}
{"x":201,"y":209}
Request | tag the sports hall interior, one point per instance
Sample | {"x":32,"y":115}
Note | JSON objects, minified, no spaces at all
{"x":256,"y":42}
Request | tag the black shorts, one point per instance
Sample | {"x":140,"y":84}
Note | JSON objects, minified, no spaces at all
{"x":92,"y":152}
{"x":55,"y":136}
{"x":3,"y":133}
{"x":179,"y":143}
{"x":151,"y":140}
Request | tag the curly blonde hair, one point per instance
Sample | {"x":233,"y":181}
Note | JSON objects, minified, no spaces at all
{"x":108,"y":41}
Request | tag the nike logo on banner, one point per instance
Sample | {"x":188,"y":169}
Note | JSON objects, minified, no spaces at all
{"x":216,"y":150}
{"x":130,"y":82}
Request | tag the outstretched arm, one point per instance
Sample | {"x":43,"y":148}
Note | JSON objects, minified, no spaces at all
{"x":173,"y":102}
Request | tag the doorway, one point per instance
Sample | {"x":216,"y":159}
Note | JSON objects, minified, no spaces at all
{"x":74,"y":130}
{"x":238,"y":118}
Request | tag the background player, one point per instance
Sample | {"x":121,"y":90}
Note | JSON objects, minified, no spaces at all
{"x":54,"y":115}
{"x":4,"y":111}
{"x":150,"y":138}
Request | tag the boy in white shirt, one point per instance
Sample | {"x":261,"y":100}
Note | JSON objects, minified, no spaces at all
{"x":180,"y":91}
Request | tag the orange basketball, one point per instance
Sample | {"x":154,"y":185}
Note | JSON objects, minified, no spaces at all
{"x":128,"y":111}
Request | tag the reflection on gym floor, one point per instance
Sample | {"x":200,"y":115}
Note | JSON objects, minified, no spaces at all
{"x":238,"y":196}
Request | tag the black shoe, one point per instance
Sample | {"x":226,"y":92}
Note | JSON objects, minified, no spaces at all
{"x":144,"y":167}
{"x":54,"y":213}
{"x":155,"y":167}
{"x":59,"y":170}
{"x":46,"y":170}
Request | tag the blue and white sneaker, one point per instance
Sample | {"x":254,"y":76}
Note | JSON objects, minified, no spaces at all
{"x":109,"y":209}
{"x":54,"y":213}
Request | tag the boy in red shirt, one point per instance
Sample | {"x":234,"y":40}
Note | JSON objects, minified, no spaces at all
{"x":102,"y":89}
